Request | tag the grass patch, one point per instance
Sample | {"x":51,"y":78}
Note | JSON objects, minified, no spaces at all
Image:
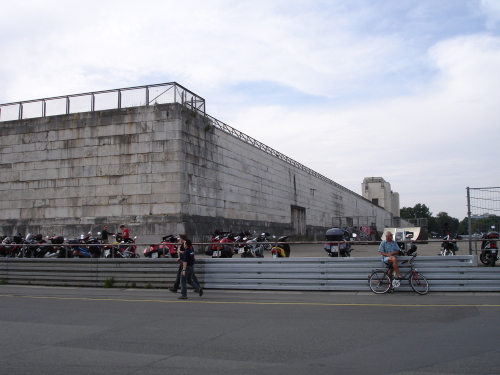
{"x":109,"y":282}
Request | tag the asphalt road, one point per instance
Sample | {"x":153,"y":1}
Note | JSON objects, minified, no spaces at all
{"x":83,"y":331}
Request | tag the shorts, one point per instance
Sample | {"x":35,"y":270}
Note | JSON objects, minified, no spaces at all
{"x":386,"y":260}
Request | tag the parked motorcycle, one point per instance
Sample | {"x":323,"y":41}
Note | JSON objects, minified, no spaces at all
{"x":489,"y":249}
{"x":281,"y":250}
{"x":339,"y":242}
{"x":407,"y":248}
{"x":37,"y":250}
{"x":448,"y":246}
{"x":167,"y":249}
{"x":26,"y":249}
{"x":95,"y":251}
{"x":255,"y":247}
{"x":10,"y":246}
{"x":222,"y":245}
{"x":240,"y":240}
{"x":76,"y":248}
{"x":59,"y":249}
{"x":122,"y":249}
{"x":50,"y":250}
{"x":44,"y":250}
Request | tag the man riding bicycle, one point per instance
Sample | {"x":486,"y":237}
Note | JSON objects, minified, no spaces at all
{"x":389,"y":249}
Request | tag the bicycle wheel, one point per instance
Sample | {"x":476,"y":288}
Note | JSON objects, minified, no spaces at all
{"x":419,"y":283}
{"x":379,"y":282}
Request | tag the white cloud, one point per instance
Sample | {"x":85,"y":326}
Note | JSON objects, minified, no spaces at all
{"x":421,"y":75}
{"x":207,"y":45}
{"x":492,"y":10}
{"x":432,"y":141}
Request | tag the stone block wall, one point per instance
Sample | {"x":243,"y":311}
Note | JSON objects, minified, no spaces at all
{"x":159,"y":169}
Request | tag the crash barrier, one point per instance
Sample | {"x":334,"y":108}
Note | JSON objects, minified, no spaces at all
{"x":91,"y":272}
{"x":453,"y":273}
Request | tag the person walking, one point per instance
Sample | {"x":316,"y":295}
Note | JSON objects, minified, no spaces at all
{"x":187,"y":270}
{"x":177,"y":283}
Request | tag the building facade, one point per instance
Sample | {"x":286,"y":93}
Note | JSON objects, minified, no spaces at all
{"x":162,"y":169}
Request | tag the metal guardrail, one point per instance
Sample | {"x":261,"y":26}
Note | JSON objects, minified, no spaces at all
{"x":96,"y":272}
{"x":457,"y":273}
{"x":102,"y":100}
{"x":445,"y":274}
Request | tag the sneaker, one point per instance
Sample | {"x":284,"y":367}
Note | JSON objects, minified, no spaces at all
{"x":173,"y":290}
{"x":200,"y":292}
{"x":182,"y":297}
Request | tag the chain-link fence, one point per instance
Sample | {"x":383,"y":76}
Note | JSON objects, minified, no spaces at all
{"x":483,"y":207}
{"x":101,"y":100}
{"x":365,"y":227}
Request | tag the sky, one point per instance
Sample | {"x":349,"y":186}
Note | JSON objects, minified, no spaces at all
{"x":407,"y":90}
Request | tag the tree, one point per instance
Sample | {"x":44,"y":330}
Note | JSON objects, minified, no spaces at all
{"x":440,"y":223}
{"x":417,"y":212}
{"x":445,"y":222}
{"x":480,"y":224}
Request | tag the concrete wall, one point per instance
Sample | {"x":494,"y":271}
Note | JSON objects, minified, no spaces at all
{"x":159,"y":169}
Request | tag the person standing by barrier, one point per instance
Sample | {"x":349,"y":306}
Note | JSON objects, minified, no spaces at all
{"x":125,"y":233}
{"x":182,"y":238}
{"x":105,"y":234}
{"x":388,"y":249}
{"x":187,"y":270}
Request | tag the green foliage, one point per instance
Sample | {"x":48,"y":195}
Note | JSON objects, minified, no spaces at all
{"x":109,"y":282}
{"x":439,"y":223}
{"x":480,"y":225}
{"x":3,"y":282}
{"x":148,"y":286}
{"x":444,"y":222}
{"x":418,"y":211}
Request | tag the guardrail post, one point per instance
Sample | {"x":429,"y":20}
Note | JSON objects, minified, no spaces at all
{"x":67,"y":105}
{"x":119,"y":99}
{"x":44,"y":108}
{"x":20,"y":111}
{"x":469,"y":221}
{"x":92,"y":103}
{"x":147,"y":96}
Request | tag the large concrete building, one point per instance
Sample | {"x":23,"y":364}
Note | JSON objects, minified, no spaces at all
{"x":379,"y":191}
{"x":160,"y":166}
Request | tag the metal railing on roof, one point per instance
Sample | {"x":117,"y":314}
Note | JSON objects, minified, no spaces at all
{"x":103,"y":100}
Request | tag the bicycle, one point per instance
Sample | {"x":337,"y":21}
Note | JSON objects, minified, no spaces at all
{"x":383,"y":280}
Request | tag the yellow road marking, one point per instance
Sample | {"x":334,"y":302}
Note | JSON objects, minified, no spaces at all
{"x":252,"y":303}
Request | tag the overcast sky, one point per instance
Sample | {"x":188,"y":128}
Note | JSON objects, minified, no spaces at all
{"x":407,"y":90}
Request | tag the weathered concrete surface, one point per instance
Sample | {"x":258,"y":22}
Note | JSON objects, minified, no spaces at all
{"x":159,"y":169}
